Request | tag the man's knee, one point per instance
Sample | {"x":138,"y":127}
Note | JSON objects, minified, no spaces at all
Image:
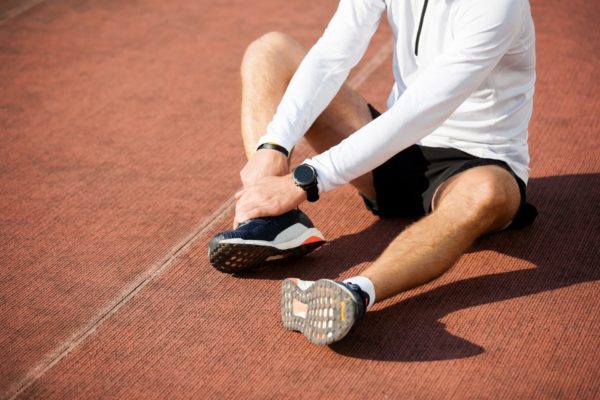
{"x":273,"y":49}
{"x":489,"y":195}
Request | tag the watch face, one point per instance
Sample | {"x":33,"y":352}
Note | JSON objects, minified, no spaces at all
{"x":304,"y":175}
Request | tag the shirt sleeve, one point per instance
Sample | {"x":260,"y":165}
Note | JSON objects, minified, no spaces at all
{"x":324,"y":69}
{"x":484,"y":31}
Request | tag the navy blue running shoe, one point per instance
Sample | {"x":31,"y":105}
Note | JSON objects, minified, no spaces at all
{"x":324,"y":310}
{"x":264,"y":239}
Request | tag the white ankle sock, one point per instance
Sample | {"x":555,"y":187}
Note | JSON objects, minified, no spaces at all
{"x":365,"y":285}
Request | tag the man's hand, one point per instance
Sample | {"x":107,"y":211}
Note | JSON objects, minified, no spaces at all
{"x":264,"y":163}
{"x":270,"y":196}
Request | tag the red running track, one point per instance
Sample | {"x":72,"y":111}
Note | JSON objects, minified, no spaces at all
{"x":110,"y":115}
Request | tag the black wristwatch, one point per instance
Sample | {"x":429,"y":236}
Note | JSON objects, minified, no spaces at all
{"x":305,"y":176}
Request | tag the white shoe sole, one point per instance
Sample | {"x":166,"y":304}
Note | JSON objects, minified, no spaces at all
{"x":325,"y":311}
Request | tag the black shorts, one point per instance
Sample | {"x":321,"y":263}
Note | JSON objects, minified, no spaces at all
{"x":406,"y":183}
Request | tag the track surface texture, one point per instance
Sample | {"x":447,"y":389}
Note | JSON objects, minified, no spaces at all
{"x":119,"y":155}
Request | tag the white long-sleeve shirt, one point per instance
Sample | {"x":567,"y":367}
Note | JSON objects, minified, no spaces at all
{"x":470,"y":87}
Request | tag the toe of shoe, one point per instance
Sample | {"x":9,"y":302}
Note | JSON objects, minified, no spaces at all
{"x":213,"y":244}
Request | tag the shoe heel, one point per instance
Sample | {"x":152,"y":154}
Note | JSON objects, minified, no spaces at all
{"x":331,"y":313}
{"x":290,"y":292}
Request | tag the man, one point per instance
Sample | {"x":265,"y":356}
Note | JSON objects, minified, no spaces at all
{"x":452,"y":146}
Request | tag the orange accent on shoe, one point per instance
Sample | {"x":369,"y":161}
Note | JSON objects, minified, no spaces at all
{"x":342,"y":316}
{"x":312,"y":239}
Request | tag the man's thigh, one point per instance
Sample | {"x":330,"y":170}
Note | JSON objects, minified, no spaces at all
{"x":488,"y":194}
{"x":277,"y":57}
{"x":347,"y":113}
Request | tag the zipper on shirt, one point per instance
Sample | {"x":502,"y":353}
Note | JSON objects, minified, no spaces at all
{"x":420,"y":27}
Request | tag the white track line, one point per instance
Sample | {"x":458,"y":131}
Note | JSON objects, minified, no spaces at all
{"x":130,"y":291}
{"x":127,"y":294}
{"x":23,"y":6}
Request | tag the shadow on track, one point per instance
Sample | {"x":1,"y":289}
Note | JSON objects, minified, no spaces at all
{"x":563,"y":244}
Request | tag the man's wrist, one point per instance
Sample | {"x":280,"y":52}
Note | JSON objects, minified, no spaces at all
{"x":299,"y":193}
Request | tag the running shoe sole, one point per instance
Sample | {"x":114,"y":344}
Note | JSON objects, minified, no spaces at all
{"x":238,"y":255}
{"x":328,"y":313}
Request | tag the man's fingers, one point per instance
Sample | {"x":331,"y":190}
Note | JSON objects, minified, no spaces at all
{"x":260,"y":200}
{"x":253,"y":213}
{"x":248,"y":200}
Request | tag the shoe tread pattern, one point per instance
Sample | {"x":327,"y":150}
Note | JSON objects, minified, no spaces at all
{"x":234,"y":258}
{"x":323,"y":324}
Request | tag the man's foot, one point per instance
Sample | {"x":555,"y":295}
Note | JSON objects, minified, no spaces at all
{"x":324,"y":311}
{"x":264,"y":239}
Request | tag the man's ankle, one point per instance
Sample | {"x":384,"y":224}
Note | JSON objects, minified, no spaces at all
{"x":365,"y":285}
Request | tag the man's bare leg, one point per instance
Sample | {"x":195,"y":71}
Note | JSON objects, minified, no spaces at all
{"x":474,"y":202}
{"x":268,"y":65}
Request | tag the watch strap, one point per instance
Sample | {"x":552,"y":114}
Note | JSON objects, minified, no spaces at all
{"x":312,"y":193}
